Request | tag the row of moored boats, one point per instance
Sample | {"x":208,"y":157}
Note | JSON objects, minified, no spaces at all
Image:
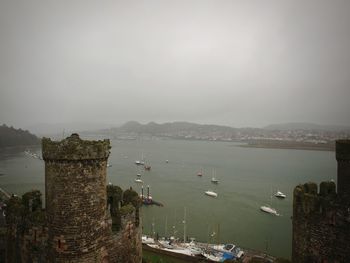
{"x":216,"y":253}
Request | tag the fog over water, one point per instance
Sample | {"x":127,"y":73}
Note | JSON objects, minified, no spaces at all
{"x":238,"y":63}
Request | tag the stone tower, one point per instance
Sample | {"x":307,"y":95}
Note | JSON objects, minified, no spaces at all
{"x":343,"y":159}
{"x":321,"y":219}
{"x":75,"y":190}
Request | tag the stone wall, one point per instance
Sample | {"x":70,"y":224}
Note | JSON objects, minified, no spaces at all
{"x":321,"y":219}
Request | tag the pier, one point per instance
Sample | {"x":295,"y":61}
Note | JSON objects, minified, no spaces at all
{"x":148,"y":200}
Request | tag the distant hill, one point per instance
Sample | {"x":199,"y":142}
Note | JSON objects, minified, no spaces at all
{"x":49,"y":130}
{"x":306,"y":126}
{"x":10,"y":136}
{"x":171,"y":127}
{"x":282,"y":136}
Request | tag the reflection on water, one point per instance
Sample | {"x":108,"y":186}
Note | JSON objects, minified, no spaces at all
{"x":247,"y":178}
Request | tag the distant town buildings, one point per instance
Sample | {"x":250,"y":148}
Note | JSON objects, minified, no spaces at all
{"x":297,"y":138}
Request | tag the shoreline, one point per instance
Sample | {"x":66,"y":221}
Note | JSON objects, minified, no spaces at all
{"x":14,"y":147}
{"x":289,"y":147}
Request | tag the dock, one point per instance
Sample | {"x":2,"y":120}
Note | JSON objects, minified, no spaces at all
{"x":147,"y":199}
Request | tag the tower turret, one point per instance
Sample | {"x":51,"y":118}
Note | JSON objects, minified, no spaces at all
{"x":75,"y":186}
{"x":343,"y":159}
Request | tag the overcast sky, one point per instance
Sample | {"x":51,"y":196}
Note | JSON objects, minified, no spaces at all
{"x":239,"y":63}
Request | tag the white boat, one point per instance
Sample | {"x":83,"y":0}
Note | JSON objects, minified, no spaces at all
{"x":211,"y":193}
{"x":109,"y":165}
{"x":183,"y":251}
{"x":147,"y":240}
{"x":192,"y":246}
{"x":269,"y":210}
{"x":166,"y":244}
{"x":212,"y":257}
{"x":214,"y":180}
{"x":167,"y":161}
{"x":280,"y":195}
{"x":224,"y":248}
{"x":138,"y":180}
{"x":230,"y":248}
{"x":142,"y":162}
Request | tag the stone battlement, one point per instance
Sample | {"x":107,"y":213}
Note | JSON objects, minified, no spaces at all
{"x":73,"y":149}
{"x":327,"y":189}
{"x":307,"y":199}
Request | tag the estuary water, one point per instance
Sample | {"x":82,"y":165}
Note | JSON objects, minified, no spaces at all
{"x":247,"y":178}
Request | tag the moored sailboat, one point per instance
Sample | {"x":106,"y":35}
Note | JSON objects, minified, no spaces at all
{"x":211,"y":193}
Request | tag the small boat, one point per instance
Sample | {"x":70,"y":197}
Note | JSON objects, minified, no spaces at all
{"x":213,"y":257}
{"x":200,"y":173}
{"x":138,"y":175}
{"x":269,"y":210}
{"x":139,"y":162}
{"x":229,"y":248}
{"x":214,"y":180}
{"x":167,"y":161}
{"x":280,"y":195}
{"x":225,"y":248}
{"x":109,"y":165}
{"x":211,"y":193}
{"x":147,"y":167}
{"x":138,"y":180}
{"x":147,"y":240}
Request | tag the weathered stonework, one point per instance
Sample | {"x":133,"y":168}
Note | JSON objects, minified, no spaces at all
{"x":321,"y":220}
{"x":77,"y":225}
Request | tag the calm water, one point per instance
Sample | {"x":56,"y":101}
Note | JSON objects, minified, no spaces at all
{"x":247,"y":178}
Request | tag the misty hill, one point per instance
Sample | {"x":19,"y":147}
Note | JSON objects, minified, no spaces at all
{"x":10,"y":136}
{"x":176,"y":127}
{"x":185,"y":130}
{"x":171,"y":127}
{"x":49,"y":130}
{"x":306,"y":126}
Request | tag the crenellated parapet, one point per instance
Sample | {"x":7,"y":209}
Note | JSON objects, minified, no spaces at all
{"x":73,"y":148}
{"x":308,"y":200}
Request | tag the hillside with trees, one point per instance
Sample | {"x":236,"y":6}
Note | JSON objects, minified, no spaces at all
{"x":10,"y":137}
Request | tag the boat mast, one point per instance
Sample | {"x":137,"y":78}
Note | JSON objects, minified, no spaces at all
{"x":174,"y":227}
{"x":166,"y":225}
{"x":218,"y":238}
{"x":184,"y":222}
{"x":153,"y":231}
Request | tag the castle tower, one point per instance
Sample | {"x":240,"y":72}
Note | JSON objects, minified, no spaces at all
{"x":75,"y":189}
{"x":343,"y":159}
{"x":321,"y":219}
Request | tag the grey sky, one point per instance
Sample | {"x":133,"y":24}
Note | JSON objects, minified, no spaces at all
{"x":239,"y":63}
